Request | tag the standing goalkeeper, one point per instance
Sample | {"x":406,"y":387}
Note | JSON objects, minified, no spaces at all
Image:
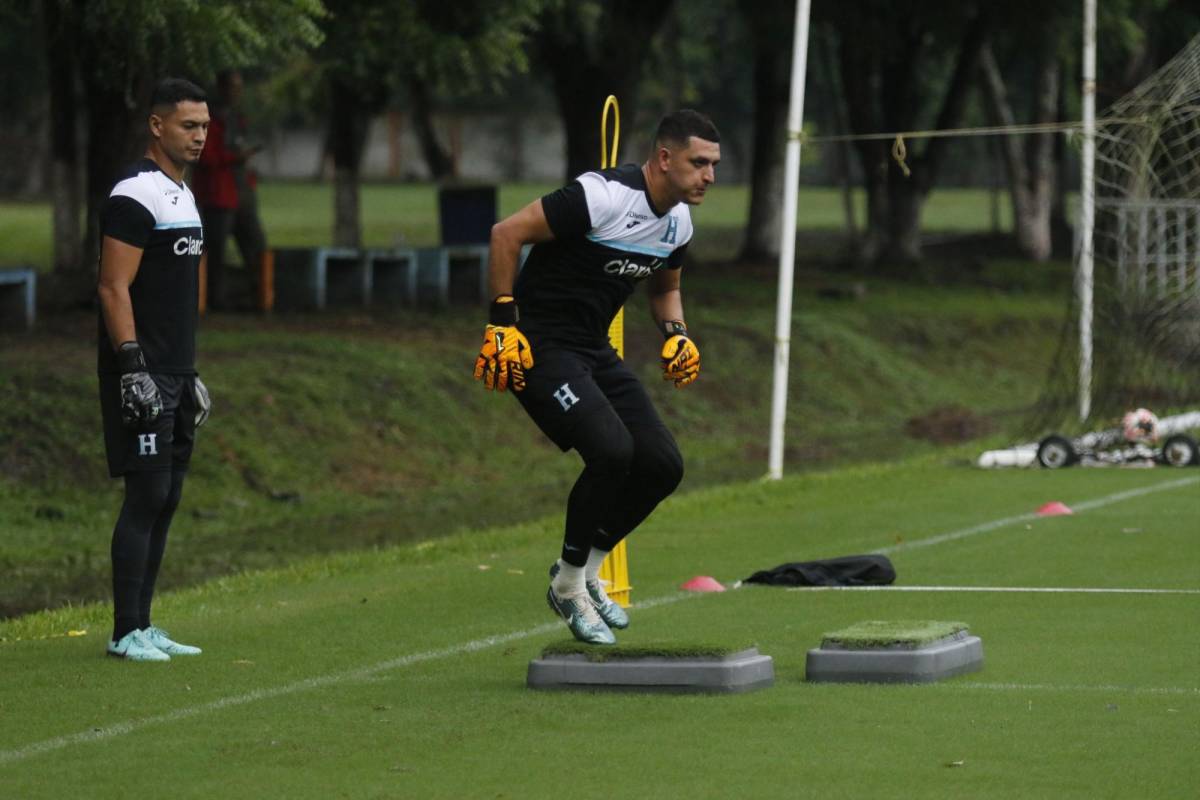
{"x":151,"y":399}
{"x":547,"y":339}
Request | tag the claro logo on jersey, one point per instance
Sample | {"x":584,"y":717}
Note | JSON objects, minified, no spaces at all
{"x":187,"y":246}
{"x":624,"y":268}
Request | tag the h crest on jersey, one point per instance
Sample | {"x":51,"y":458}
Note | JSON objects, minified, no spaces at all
{"x":672,"y":228}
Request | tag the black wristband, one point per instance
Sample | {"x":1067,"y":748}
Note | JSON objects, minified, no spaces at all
{"x":130,"y":358}
{"x":674,"y":327}
{"x":503,"y":311}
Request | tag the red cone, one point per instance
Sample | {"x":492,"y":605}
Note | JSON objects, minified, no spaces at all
{"x":1055,"y":509}
{"x":703,"y":583}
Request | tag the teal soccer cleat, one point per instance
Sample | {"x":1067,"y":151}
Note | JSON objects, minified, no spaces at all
{"x":158,"y":637}
{"x":613,"y":615}
{"x":134,"y":646}
{"x":581,"y":616}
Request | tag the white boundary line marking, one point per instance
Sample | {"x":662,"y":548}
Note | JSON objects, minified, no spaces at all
{"x":1047,"y":589}
{"x":120,"y":728}
{"x":1051,"y":687}
{"x":1085,"y":505}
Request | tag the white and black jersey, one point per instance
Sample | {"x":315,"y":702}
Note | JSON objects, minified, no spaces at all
{"x":149,"y":210}
{"x":607,"y":236}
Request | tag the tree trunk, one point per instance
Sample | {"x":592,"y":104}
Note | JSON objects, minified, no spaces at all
{"x":64,"y":155}
{"x":586,"y":69}
{"x":1028,"y":160}
{"x":441,"y":164}
{"x":843,"y":152}
{"x":883,"y":87}
{"x":116,"y":137}
{"x":349,"y":123}
{"x":772,"y":80}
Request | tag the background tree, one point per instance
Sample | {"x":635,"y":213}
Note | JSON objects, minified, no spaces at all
{"x":120,"y":48}
{"x":771,"y":24}
{"x":373,"y":49}
{"x":904,"y":66}
{"x":592,"y":49}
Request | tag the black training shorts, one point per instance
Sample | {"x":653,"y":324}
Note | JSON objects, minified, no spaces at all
{"x":164,"y":444}
{"x":567,"y":386}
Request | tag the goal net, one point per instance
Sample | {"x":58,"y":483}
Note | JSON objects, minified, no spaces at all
{"x":1146,"y":245}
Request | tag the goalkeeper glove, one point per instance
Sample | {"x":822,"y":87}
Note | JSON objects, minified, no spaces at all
{"x":140,"y":401}
{"x":203,"y":401}
{"x":505,"y":354}
{"x":680,"y":357}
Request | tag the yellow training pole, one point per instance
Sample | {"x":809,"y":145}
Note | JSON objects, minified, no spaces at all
{"x":615,"y":569}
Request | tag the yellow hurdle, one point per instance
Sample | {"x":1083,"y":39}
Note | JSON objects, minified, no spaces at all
{"x":615,"y":569}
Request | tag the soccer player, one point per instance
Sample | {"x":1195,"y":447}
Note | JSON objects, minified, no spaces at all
{"x":151,"y":398}
{"x":547,"y":340}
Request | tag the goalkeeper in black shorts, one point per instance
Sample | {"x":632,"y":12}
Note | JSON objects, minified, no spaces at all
{"x":151,"y":399}
{"x":547,"y":340}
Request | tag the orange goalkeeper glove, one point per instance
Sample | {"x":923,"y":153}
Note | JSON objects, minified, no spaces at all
{"x":680,"y":357}
{"x":505,"y":354}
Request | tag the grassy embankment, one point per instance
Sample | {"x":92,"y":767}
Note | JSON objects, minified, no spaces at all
{"x":351,"y":430}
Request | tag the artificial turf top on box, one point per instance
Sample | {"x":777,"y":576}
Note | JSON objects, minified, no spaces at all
{"x":891,"y":633}
{"x":625,"y":652}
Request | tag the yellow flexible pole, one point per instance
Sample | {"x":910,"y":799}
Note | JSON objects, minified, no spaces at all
{"x":615,"y":569}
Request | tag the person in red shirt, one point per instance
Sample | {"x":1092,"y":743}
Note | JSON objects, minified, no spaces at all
{"x":224,"y":186}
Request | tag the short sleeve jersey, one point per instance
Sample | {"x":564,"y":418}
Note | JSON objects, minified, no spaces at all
{"x":149,"y":210}
{"x":608,"y":236}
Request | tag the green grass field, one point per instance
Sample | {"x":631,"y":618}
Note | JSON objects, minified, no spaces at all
{"x":399,"y":672}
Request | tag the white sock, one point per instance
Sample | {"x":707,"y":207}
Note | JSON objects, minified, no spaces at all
{"x":569,"y":579}
{"x":595,"y":559}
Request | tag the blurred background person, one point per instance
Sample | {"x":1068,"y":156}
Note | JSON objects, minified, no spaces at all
{"x":224,"y":185}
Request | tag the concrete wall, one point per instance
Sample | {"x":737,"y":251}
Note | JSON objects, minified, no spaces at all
{"x":487,"y":148}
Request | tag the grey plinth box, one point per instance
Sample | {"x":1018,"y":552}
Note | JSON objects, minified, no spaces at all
{"x":943,"y":658}
{"x":743,"y":671}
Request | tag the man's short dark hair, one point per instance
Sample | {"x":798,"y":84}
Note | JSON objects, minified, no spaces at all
{"x":169,"y":92}
{"x":678,"y":126}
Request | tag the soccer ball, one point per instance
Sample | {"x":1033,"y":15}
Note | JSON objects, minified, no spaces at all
{"x":1140,"y":426}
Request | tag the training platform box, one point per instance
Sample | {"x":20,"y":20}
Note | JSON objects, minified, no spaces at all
{"x":741,"y":671}
{"x":901,"y":662}
{"x":18,"y":298}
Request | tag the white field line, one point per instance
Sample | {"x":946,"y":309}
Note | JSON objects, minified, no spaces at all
{"x":1054,"y":687}
{"x":120,"y":728}
{"x":1018,"y":589}
{"x":986,"y":527}
{"x":465,"y":648}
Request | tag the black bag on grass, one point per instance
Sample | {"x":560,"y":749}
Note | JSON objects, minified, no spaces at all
{"x":844,"y":571}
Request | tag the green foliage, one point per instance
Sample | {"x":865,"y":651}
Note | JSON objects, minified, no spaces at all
{"x":375,"y":47}
{"x":196,"y":38}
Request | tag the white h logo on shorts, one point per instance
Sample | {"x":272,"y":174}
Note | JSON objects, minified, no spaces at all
{"x":566,"y":397}
{"x":147,"y":446}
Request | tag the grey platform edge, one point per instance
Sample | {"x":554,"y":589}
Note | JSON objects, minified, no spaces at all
{"x":744,"y":671}
{"x":309,"y":279}
{"x":18,"y":298}
{"x":944,"y":658}
{"x":393,"y":276}
{"x":433,"y":279}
